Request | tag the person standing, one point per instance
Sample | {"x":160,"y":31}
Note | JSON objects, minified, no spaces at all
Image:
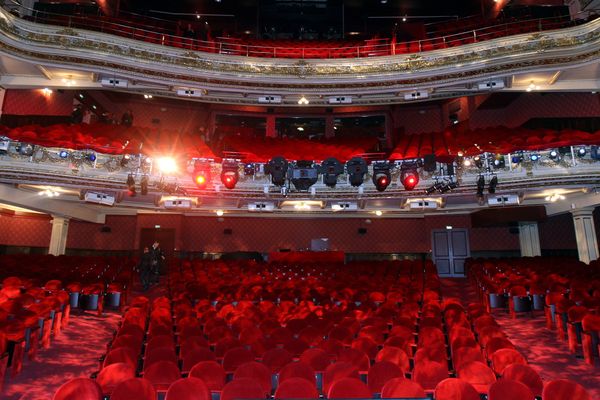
{"x":157,"y":259}
{"x":145,"y":268}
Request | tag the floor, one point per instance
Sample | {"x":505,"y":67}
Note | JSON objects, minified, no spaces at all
{"x":544,"y":352}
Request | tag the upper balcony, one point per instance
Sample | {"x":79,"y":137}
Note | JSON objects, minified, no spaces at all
{"x":237,"y":72}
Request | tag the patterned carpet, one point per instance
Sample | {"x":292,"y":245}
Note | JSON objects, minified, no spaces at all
{"x":544,"y":352}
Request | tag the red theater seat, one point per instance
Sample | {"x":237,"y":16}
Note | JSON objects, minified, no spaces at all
{"x":477,"y":374}
{"x":455,"y":389}
{"x":242,"y":388}
{"x":162,"y":374}
{"x":297,"y":370}
{"x":296,"y":388}
{"x":136,"y":388}
{"x":79,"y":389}
{"x":402,"y":388}
{"x":564,"y":389}
{"x":257,"y":372}
{"x":211,"y":373}
{"x":113,"y":374}
{"x":380,"y":373}
{"x":188,"y":389}
{"x":509,"y":389}
{"x":348,"y":388}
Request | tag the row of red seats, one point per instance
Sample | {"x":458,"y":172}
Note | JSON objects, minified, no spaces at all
{"x":567,"y":290}
{"x":262,"y":150}
{"x":111,"y":139}
{"x":500,"y":140}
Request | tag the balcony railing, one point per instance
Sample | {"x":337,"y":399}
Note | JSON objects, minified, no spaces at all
{"x":299,"y":50}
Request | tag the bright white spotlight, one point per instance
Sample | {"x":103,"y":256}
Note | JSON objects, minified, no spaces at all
{"x":219,"y":213}
{"x":167,"y":165}
{"x":379,"y":213}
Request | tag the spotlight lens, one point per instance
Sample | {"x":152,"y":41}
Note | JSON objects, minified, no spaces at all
{"x":167,"y":165}
{"x":200,"y":180}
{"x":63,"y":154}
{"x":92,"y":157}
{"x":534,"y":157}
{"x":553,"y":153}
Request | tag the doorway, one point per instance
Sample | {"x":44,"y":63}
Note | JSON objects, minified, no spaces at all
{"x":450,"y":250}
{"x":166,"y":238}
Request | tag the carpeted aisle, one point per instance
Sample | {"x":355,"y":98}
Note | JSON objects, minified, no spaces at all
{"x":74,"y":353}
{"x":544,"y":352}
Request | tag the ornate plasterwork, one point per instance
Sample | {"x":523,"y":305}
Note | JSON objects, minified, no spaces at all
{"x":78,"y":47}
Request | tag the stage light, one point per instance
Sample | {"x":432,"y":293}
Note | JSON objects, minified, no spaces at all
{"x":25,"y":149}
{"x":303,"y":101}
{"x":581,"y":152}
{"x":467,"y":162}
{"x":331,"y":168}
{"x":144,"y":185}
{"x":534,"y":157}
{"x":499,"y":161}
{"x":303,"y":174}
{"x":219,"y":213}
{"x":409,"y":176}
{"x":202,"y":174}
{"x":517,"y":158}
{"x":379,"y":213}
{"x":91,"y":157}
{"x":167,"y":165}
{"x":63,"y":154}
{"x":124,"y":160}
{"x":381,"y":176}
{"x":480,"y":186}
{"x":277,"y":167}
{"x":131,"y":185}
{"x":492,"y":185}
{"x":248,"y":169}
{"x":46,"y":91}
{"x":229,"y":174}
{"x":553,"y":155}
{"x":448,"y":186}
{"x":478,"y":162}
{"x":356,"y":168}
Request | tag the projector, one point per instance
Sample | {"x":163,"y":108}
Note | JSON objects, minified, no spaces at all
{"x":504,"y":200}
{"x":99,"y":198}
{"x":269,"y":99}
{"x":178,"y":204}
{"x":423,"y":204}
{"x":491,"y":85}
{"x":344,"y":206}
{"x":261,"y":207}
{"x":189,"y":92}
{"x":416,"y":95}
{"x":340,"y":100}
{"x":114,"y":82}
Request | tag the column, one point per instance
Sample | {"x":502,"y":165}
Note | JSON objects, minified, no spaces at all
{"x":271,"y":131}
{"x":529,"y":239}
{"x":58,"y":238}
{"x":585,"y":234}
{"x":329,"y":127}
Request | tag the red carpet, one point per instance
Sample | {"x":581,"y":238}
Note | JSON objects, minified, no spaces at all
{"x":544,"y":352}
{"x":74,"y":353}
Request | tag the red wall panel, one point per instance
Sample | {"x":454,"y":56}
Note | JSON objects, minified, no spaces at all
{"x":34,"y":102}
{"x":87,"y":235}
{"x":29,"y":231}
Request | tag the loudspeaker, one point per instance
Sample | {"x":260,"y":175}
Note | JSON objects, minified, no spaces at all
{"x":105,"y":229}
{"x":227,"y":231}
{"x":362,"y":231}
{"x":429,"y":163}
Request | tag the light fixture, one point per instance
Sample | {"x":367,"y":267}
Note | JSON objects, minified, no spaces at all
{"x":277,"y":167}
{"x":63,"y":154}
{"x":356,"y":168}
{"x":553,"y":155}
{"x":331,"y":168}
{"x":91,"y":157}
{"x":229,"y":174}
{"x":219,"y":213}
{"x":534,"y":157}
{"x":492,"y":185}
{"x":49,"y":193}
{"x":404,"y":19}
{"x":478,"y":162}
{"x":467,"y":162}
{"x":499,"y":161}
{"x":69,"y":81}
{"x":532,"y":86}
{"x":379,"y":213}
{"x":248,"y":169}
{"x":381,"y":176}
{"x":131,"y":185}
{"x":46,"y":91}
{"x":202,"y":173}
{"x":147,"y":96}
{"x":303,"y":174}
{"x":581,"y":152}
{"x":409,"y":176}
{"x":517,"y":158}
{"x":449,"y":227}
{"x":302,"y":206}
{"x":303,"y":101}
{"x":553,"y":198}
{"x":167,"y":165}
{"x":480,"y":186}
{"x":300,"y":129}
{"x":144,"y":185}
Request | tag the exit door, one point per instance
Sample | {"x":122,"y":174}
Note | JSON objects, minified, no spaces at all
{"x":450,"y":250}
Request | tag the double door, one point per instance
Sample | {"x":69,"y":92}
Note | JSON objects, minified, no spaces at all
{"x":450,"y":250}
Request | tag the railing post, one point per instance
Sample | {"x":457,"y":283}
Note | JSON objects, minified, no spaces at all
{"x":475,"y":36}
{"x":420,"y":46}
{"x":220,"y":47}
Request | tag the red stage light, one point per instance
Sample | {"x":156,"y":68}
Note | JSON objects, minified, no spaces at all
{"x":410,"y":179}
{"x":200,"y":180}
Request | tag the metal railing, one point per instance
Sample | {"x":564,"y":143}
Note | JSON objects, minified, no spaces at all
{"x":269,"y":49}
